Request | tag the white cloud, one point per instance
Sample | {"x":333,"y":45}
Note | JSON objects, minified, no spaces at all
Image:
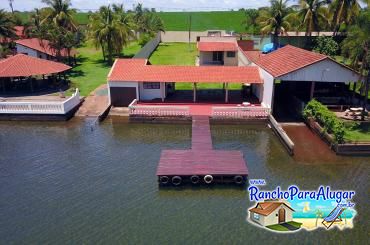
{"x":160,"y":5}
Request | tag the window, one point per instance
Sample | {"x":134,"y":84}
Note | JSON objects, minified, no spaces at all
{"x":256,"y":216}
{"x":230,"y":54}
{"x":151,"y":85}
{"x":217,"y":56}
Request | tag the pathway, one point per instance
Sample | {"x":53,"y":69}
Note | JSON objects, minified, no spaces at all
{"x":94,"y":104}
{"x":289,"y":226}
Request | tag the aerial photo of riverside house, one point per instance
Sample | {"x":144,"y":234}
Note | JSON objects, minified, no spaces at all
{"x":184,"y":122}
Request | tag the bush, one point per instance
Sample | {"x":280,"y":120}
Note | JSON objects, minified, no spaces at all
{"x":326,"y":45}
{"x":326,"y":118}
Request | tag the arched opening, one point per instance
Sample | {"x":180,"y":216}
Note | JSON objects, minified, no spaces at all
{"x":281,"y":215}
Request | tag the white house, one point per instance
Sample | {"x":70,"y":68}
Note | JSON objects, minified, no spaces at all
{"x":271,"y":213}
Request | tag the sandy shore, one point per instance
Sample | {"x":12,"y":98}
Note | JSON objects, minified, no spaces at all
{"x":310,"y":224}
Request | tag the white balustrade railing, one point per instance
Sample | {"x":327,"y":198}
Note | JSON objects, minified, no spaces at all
{"x":40,"y":107}
{"x":257,"y":112}
{"x":158,"y":111}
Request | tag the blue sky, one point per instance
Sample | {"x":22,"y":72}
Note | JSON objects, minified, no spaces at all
{"x":160,"y":5}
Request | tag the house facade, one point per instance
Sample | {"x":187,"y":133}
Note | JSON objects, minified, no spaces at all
{"x":271,"y":213}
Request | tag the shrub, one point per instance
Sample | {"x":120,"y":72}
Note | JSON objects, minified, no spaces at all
{"x":326,"y":45}
{"x":326,"y":118}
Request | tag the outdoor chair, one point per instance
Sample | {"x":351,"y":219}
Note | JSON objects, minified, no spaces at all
{"x":334,"y":216}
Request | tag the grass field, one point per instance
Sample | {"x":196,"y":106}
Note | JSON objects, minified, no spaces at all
{"x":91,"y":70}
{"x":181,"y":54}
{"x":359,"y":134}
{"x":179,"y":21}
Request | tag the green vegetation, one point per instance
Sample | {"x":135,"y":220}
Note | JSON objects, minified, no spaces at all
{"x":181,"y":54}
{"x":356,"y":132}
{"x":326,"y":45}
{"x":326,"y":118}
{"x":279,"y":227}
{"x":91,"y":70}
{"x":202,"y":21}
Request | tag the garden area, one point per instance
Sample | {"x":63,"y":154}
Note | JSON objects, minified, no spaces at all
{"x":91,"y":70}
{"x":342,"y":131}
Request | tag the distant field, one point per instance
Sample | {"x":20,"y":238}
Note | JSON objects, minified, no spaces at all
{"x":179,"y":21}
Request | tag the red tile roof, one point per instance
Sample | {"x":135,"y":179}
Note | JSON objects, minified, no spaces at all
{"x":22,"y":65}
{"x":42,"y":46}
{"x":253,"y":56}
{"x":246,"y":45}
{"x":266,"y":208}
{"x":286,"y":60}
{"x":217,"y":46}
{"x":137,"y":70}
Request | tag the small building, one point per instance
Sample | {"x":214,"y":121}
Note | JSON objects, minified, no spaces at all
{"x":218,"y":51}
{"x":40,"y":48}
{"x":271,"y":213}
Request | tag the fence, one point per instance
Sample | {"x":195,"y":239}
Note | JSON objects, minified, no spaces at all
{"x":149,"y":48}
{"x":38,"y":107}
{"x":240,"y":112}
{"x":157,"y":111}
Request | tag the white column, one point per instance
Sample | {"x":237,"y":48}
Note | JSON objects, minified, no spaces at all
{"x":163,"y":90}
{"x":226,"y":92}
{"x":194,"y":92}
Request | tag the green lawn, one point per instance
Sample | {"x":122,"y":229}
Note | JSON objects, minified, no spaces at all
{"x":358,"y":133}
{"x":179,"y":21}
{"x":279,"y":227}
{"x":181,"y":54}
{"x":91,"y":71}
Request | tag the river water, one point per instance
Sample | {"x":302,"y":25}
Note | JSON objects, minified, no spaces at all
{"x":71,"y":183}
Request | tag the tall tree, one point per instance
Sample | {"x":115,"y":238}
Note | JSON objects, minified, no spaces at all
{"x":108,"y":32}
{"x":344,"y":12}
{"x":6,"y":25}
{"x":60,"y":13}
{"x":356,"y":46}
{"x":11,"y":5}
{"x":275,"y":20}
{"x":311,"y":14}
{"x":250,"y":21}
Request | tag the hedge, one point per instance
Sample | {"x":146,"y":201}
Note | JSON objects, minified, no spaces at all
{"x":326,"y":118}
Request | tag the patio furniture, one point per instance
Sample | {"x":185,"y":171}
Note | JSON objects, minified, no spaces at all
{"x":334,"y":216}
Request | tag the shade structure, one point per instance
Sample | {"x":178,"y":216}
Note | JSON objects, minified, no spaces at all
{"x":21,"y":65}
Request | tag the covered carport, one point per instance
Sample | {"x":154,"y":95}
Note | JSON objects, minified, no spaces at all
{"x":136,"y":79}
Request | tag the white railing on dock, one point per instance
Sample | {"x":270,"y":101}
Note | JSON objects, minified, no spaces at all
{"x":242,"y":112}
{"x":158,"y":111}
{"x":40,"y":107}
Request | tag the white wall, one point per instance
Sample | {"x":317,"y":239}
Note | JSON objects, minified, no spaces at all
{"x":150,"y":94}
{"x":183,"y":36}
{"x":30,"y":52}
{"x":242,"y":60}
{"x":273,"y":218}
{"x":231,"y":61}
{"x":323,"y":71}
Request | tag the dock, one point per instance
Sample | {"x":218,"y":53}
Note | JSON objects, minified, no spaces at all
{"x":201,"y":163}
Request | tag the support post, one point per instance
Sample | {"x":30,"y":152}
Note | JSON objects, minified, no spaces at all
{"x":312,"y":90}
{"x":194,"y":92}
{"x":354,"y":93}
{"x":163,"y":91}
{"x":226,"y":93}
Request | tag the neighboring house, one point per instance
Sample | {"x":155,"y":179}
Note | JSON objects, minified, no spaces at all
{"x":19,"y":31}
{"x":40,"y":49}
{"x":271,"y":213}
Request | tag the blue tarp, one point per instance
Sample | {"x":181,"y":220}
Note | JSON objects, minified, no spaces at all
{"x":269,"y":47}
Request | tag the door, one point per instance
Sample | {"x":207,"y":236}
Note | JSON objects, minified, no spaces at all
{"x":281,"y":215}
{"x":218,"y":56}
{"x":121,"y":96}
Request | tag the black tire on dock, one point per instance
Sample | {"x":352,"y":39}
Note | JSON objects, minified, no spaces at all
{"x":195,"y":179}
{"x":164,"y":180}
{"x":238,"y":180}
{"x":176,"y":180}
{"x":208,"y":179}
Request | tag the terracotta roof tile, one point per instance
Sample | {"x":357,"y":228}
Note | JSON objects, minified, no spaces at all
{"x":22,"y":65}
{"x":137,"y":70}
{"x":217,"y":46}
{"x":42,"y":46}
{"x":286,"y":60}
{"x":246,"y":45}
{"x":266,"y":208}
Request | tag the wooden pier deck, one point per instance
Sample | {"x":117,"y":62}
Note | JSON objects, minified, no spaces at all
{"x":201,"y":160}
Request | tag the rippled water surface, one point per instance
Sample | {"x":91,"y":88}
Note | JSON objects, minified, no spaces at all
{"x":64,"y":182}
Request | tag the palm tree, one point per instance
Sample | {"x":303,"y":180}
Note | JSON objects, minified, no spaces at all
{"x":345,"y":12}
{"x":318,"y":214}
{"x":275,"y":20}
{"x":251,"y":19}
{"x":311,"y":14}
{"x":6,"y":25}
{"x":108,"y":32}
{"x":356,"y":47}
{"x":60,"y":14}
{"x":151,"y":24}
{"x":11,"y":5}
